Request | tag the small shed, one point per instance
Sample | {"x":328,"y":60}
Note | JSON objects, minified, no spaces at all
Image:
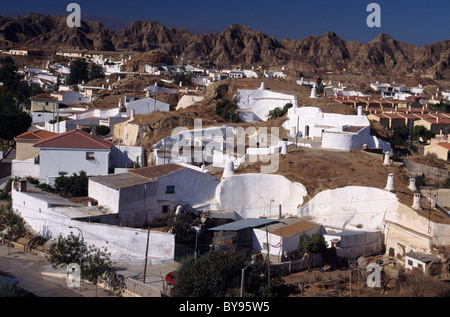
{"x":281,"y":239}
{"x":238,"y":234}
{"x":420,"y":261}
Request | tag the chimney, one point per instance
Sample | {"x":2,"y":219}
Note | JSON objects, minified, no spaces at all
{"x":387,"y":160}
{"x":412,"y":184}
{"x":284,"y":147}
{"x":360,"y":111}
{"x":263,"y":86}
{"x":280,"y":213}
{"x":390,"y":183}
{"x":417,"y":202}
{"x":229,"y":168}
{"x":132,"y":112}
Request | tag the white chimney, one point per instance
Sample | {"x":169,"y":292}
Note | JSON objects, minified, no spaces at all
{"x":263,"y":86}
{"x":284,"y":147}
{"x":412,"y":184}
{"x":229,"y":168}
{"x":387,"y":158}
{"x":313,"y":92}
{"x":390,"y":183}
{"x":360,"y":111}
{"x":417,"y":202}
{"x":132,"y":113}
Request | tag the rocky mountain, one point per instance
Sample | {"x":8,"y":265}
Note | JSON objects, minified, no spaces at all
{"x":237,"y":44}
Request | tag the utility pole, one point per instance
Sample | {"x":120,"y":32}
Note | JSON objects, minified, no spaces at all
{"x":146,"y":254}
{"x":268,"y":258}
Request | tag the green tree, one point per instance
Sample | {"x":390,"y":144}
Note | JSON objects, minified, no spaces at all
{"x":278,"y":112}
{"x":72,"y":186}
{"x":419,"y":131}
{"x":95,"y":262}
{"x":8,"y":73}
{"x":103,"y":130}
{"x":218,"y":274}
{"x":67,"y":250}
{"x":97,"y":265}
{"x":13,"y":124}
{"x":319,"y":85}
{"x":226,"y":110}
{"x":181,"y":227}
{"x":311,"y":244}
{"x":184,"y":78}
{"x":79,"y":71}
{"x":96,"y":71}
{"x":11,"y":223}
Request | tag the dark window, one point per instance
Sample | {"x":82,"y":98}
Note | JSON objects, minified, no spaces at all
{"x":90,"y":156}
{"x":170,"y":190}
{"x":165,"y":209}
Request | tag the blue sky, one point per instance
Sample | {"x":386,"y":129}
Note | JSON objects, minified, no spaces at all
{"x":414,"y":22}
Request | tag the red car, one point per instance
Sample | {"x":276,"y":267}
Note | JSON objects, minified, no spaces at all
{"x":170,"y":278}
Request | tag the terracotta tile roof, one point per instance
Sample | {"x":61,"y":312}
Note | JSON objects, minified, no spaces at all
{"x":153,"y":172}
{"x":44,"y":96}
{"x":35,"y":135}
{"x":445,"y":145}
{"x":74,"y":139}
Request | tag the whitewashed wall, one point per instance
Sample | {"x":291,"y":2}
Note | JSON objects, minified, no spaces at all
{"x":127,"y":245}
{"x":54,"y":161}
{"x":25,"y":168}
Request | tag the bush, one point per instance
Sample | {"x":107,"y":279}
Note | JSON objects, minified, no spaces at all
{"x":72,"y":186}
{"x":279,"y":112}
{"x":226,"y":110}
{"x":103,"y":130}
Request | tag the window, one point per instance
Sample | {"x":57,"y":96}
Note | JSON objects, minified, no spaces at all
{"x":90,"y":156}
{"x":62,"y":173}
{"x":165,"y":209}
{"x":410,"y":262}
{"x":170,"y":190}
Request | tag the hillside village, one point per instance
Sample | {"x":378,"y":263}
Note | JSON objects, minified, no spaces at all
{"x":253,"y":179}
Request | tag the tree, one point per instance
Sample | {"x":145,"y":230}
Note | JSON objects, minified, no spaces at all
{"x":311,"y":244}
{"x":98,"y":263}
{"x":13,"y":123}
{"x":319,"y":85}
{"x":8,"y":73}
{"x":226,"y":110}
{"x":67,"y":250}
{"x":279,"y":112}
{"x":95,"y":262}
{"x":181,"y":227}
{"x":78,"y":72}
{"x":103,"y":130}
{"x":419,"y":131}
{"x":184,"y":78}
{"x":218,"y":274}
{"x":72,"y":186}
{"x":11,"y":223}
{"x":96,"y":71}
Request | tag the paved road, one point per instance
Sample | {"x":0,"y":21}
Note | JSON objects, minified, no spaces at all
{"x":27,"y":268}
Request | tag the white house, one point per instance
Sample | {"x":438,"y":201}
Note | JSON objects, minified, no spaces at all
{"x":336,"y":131}
{"x":281,"y":239}
{"x":71,"y":152}
{"x":70,"y":97}
{"x":261,"y":101}
{"x":419,"y":260}
{"x":150,"y":194}
{"x":353,"y":244}
{"x":146,"y":106}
